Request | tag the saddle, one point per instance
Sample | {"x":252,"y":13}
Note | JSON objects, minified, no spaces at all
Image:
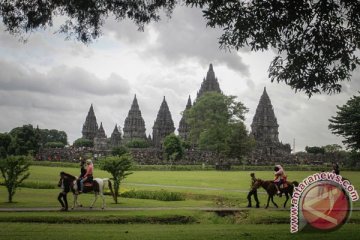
{"x":88,"y":184}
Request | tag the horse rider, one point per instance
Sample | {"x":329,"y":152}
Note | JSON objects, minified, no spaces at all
{"x":64,"y":183}
{"x":82,"y":173}
{"x":88,"y":177}
{"x":280,"y":178}
{"x":253,"y":191}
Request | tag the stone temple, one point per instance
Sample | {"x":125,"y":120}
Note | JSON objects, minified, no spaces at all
{"x":134,"y":126}
{"x":184,"y":128}
{"x":264,"y":127}
{"x":210,"y":83}
{"x":90,"y":126}
{"x":265,"y":130}
{"x":163,"y":125}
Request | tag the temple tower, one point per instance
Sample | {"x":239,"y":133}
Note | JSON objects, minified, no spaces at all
{"x":210,"y":83}
{"x":264,"y":126}
{"x":163,"y":124}
{"x":90,"y":127}
{"x":265,"y":130}
{"x":134,"y":126}
{"x":115,"y":139}
{"x":184,"y":128}
{"x":100,"y":140}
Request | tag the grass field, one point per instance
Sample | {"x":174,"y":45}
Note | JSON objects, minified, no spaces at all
{"x":200,"y":188}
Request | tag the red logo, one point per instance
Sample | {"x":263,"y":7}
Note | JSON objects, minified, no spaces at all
{"x":325,"y":206}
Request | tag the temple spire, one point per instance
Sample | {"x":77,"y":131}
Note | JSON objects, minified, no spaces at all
{"x":210,"y":83}
{"x":90,"y":126}
{"x":264,"y":126}
{"x":184,"y":128}
{"x":101,"y":132}
{"x":115,"y":139}
{"x":163,"y":124}
{"x":134,"y":126}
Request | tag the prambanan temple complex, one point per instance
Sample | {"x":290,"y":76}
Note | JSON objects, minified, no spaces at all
{"x":264,"y":128}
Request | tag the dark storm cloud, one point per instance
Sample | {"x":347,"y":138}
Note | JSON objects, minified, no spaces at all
{"x":61,"y":80}
{"x":182,"y":37}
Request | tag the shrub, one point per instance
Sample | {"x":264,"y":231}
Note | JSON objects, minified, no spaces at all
{"x":138,"y":143}
{"x":82,"y":142}
{"x":54,"y":145}
{"x":161,"y":195}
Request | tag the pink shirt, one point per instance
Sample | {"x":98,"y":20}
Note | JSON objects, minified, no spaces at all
{"x":89,"y":170}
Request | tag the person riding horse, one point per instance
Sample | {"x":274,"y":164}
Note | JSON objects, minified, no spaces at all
{"x":88,"y":177}
{"x":280,"y":178}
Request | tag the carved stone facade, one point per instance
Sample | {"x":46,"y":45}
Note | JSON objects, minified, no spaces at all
{"x":163,"y":125}
{"x":184,"y":128}
{"x":115,"y":139}
{"x":101,"y":141}
{"x":209,"y":84}
{"x":134,"y":126}
{"x":265,"y":130}
{"x":90,"y":126}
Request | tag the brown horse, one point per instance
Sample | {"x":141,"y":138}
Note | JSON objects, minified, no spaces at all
{"x":271,"y":190}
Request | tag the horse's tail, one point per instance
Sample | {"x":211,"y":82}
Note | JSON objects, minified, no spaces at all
{"x":111,"y":189}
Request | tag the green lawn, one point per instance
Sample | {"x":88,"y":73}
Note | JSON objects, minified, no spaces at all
{"x":201,"y":188}
{"x":23,"y":231}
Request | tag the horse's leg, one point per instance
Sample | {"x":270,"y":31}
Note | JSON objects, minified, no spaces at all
{"x":103,"y":199}
{"x":267,"y":205}
{"x":96,"y":196}
{"x":287,"y":198}
{"x":272,"y":200}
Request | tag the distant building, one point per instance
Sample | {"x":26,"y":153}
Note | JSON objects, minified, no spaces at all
{"x":163,"y":124}
{"x":265,"y":130}
{"x":134,"y":126}
{"x":90,"y":127}
{"x":184,"y":128}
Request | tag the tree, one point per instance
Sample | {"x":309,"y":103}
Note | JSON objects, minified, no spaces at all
{"x":315,"y":150}
{"x":173,"y":148}
{"x":82,"y":142}
{"x":24,"y":140}
{"x":346,"y":123}
{"x":54,"y":145}
{"x":138,"y":143}
{"x":216,"y":124}
{"x":316,"y":41}
{"x":52,"y":135}
{"x":118,"y":151}
{"x":5,"y":141}
{"x":14,"y":170}
{"x":332,"y":148}
{"x":118,"y":167}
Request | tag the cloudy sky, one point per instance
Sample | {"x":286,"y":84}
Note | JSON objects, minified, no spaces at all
{"x":51,"y":82}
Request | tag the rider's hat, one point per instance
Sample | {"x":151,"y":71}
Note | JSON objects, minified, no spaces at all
{"x":88,"y":161}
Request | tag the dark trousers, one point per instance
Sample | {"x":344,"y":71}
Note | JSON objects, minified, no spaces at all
{"x":62,"y":198}
{"x":253,"y":192}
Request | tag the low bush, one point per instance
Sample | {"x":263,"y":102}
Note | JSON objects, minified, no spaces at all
{"x":161,"y":195}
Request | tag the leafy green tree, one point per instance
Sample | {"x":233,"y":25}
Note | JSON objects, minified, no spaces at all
{"x":332,"y":148}
{"x":82,"y":142}
{"x":138,"y":143}
{"x":173,"y":147}
{"x":346,"y":123}
{"x":14,"y":170}
{"x":119,"y":151}
{"x":5,"y":141}
{"x":315,"y":150}
{"x":316,"y":41}
{"x":54,"y":145}
{"x":118,"y":167}
{"x":216,"y":124}
{"x":52,"y":135}
{"x":24,"y":140}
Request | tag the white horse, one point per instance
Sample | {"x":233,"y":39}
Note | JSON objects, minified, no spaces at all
{"x":98,"y":186}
